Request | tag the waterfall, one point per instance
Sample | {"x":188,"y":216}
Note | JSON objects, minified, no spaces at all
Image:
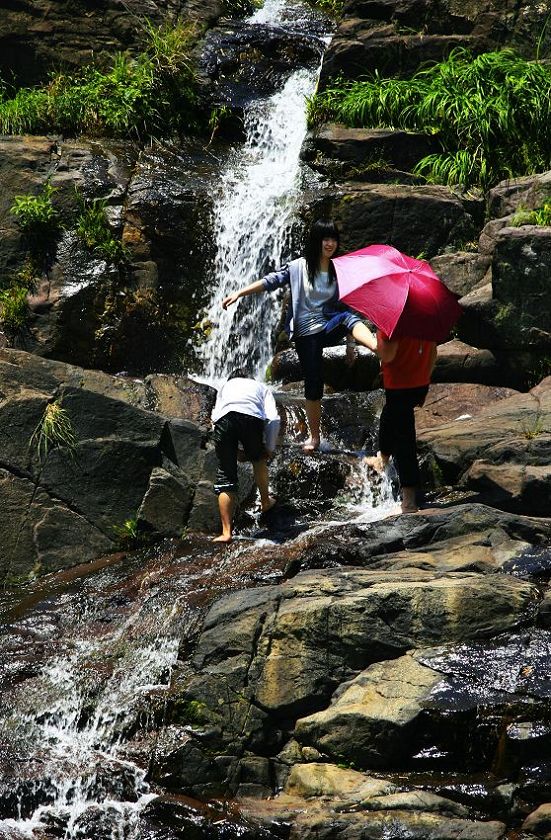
{"x":81,"y":705}
{"x":253,"y":217}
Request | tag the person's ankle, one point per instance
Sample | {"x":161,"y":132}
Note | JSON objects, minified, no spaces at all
{"x":409,"y":500}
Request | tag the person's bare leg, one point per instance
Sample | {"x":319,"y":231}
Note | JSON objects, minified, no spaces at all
{"x":378,"y":462}
{"x":261,"y":476}
{"x":313,"y":415}
{"x":409,"y":500}
{"x":364,"y":336}
{"x":226,"y":506}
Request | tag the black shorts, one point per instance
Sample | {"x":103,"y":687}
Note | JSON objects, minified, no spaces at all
{"x":231,"y":430}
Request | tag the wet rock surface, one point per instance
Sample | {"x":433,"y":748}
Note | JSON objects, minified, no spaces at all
{"x":339,"y":671}
{"x":37,"y":38}
{"x":502,"y":451}
{"x":64,"y":497}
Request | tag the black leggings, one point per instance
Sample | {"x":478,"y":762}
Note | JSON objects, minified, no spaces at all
{"x":310,"y":355}
{"x":397,"y":431}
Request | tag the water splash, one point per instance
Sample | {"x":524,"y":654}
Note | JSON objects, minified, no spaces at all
{"x":254,"y":216}
{"x":370,"y":498}
{"x":81,"y":707}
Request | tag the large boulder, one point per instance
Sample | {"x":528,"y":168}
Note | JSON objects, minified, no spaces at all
{"x":419,"y":220}
{"x":396,"y":38}
{"x":459,"y":362}
{"x":504,"y":451}
{"x":363,"y":154}
{"x":81,"y":459}
{"x":449,"y":402}
{"x":136,"y":315}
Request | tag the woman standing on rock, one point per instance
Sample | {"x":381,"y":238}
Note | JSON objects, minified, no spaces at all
{"x":407,"y":365}
{"x":315,"y":319}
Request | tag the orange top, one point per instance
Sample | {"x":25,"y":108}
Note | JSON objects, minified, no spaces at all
{"x":412,"y":364}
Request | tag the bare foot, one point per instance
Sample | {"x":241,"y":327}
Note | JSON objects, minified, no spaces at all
{"x":223,"y":538}
{"x":311,"y":445}
{"x":408,"y":509}
{"x":377,"y":462}
{"x":269,"y":504}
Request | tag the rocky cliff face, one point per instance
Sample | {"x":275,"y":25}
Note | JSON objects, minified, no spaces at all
{"x":336,"y":677}
{"x":38,"y":38}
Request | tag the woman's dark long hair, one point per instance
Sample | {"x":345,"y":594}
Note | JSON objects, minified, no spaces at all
{"x":320,"y":230}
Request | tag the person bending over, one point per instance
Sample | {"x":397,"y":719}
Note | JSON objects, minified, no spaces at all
{"x":407,"y":365}
{"x":245,"y":414}
{"x":315,"y":318}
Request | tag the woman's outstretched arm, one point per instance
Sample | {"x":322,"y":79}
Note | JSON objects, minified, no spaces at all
{"x":252,"y":289}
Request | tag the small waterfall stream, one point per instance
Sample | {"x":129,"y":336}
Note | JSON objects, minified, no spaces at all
{"x":70,"y":719}
{"x":254,"y":216}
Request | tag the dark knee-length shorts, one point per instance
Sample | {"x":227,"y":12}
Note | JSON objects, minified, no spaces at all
{"x":231,"y":430}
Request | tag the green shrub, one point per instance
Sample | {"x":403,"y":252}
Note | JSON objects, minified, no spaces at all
{"x":93,"y":229}
{"x":490,"y":114}
{"x":127,"y":533}
{"x":333,"y":8}
{"x":36,"y":214}
{"x":539,"y":216}
{"x":13,"y":308}
{"x":154,"y":94}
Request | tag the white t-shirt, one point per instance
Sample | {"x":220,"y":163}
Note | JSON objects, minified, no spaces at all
{"x":249,"y":397}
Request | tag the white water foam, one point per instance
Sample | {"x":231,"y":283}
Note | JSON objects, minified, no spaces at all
{"x":80,"y":728}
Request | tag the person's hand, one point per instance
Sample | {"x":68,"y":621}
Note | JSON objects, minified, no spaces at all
{"x":230,"y":299}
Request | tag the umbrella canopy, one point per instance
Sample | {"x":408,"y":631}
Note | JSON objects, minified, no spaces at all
{"x":400,"y":295}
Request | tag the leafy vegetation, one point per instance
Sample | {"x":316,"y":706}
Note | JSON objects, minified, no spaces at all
{"x":333,"y":8}
{"x":36,"y":215}
{"x":539,"y":216}
{"x":490,"y":114}
{"x":93,"y":229}
{"x":154,"y":94}
{"x":13,"y":308}
{"x":127,"y":533}
{"x":54,"y":429}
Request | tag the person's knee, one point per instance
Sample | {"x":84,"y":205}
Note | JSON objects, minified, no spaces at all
{"x":228,"y":487}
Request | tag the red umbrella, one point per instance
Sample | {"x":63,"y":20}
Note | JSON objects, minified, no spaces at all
{"x":400,"y":295}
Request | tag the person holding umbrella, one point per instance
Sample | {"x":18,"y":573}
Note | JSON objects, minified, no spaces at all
{"x":315,"y":320}
{"x":413,"y":310}
{"x":407,"y":365}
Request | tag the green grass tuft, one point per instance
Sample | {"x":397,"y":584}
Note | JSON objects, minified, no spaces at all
{"x":539,"y":216}
{"x":13,"y":308}
{"x":151,"y":95}
{"x":93,"y":229}
{"x":54,"y":429}
{"x":490,"y":112}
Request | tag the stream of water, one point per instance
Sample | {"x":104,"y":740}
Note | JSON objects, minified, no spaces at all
{"x":254,"y":216}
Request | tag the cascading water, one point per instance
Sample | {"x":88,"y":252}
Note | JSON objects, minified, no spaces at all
{"x":81,"y":705}
{"x":253,"y":219}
